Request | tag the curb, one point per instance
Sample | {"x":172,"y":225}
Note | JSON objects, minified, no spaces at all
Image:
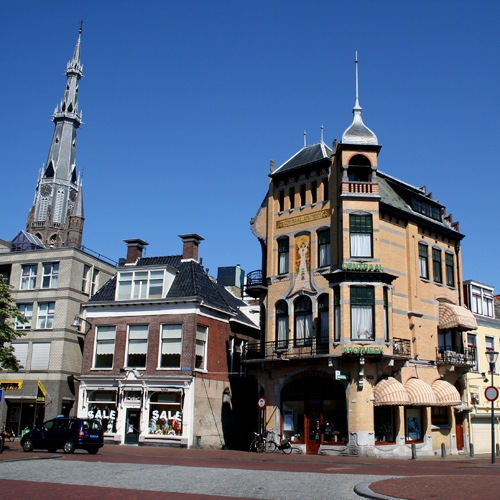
{"x":32,"y":458}
{"x":363,"y":490}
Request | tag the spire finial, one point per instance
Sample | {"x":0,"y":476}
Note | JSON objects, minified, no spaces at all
{"x":322,"y":129}
{"x":81,"y":27}
{"x":305,"y":138}
{"x":356,"y":104}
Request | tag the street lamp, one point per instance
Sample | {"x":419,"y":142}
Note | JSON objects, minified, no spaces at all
{"x":492,"y":356}
{"x":77,"y":323}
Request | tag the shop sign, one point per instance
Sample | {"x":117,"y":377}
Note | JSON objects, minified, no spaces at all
{"x":322,"y":214}
{"x":363,"y":350}
{"x":11,"y":385}
{"x":339,"y":376}
{"x":361,"y":266}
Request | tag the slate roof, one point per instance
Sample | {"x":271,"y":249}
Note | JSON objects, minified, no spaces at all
{"x":190,"y":281}
{"x":397,"y":194}
{"x":306,"y":156}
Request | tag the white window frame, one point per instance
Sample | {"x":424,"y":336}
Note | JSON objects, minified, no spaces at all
{"x":28,"y":279}
{"x":26,"y":309}
{"x":201,"y":347}
{"x":105,"y":338}
{"x":50,"y":274}
{"x":137,"y":336}
{"x":170,"y":343}
{"x":139,"y":284}
{"x":86,"y":278}
{"x":45,"y":316}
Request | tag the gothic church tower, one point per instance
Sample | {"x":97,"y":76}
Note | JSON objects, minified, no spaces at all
{"x":56,"y":216}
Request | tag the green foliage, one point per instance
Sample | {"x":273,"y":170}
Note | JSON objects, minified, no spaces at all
{"x":9,"y":315}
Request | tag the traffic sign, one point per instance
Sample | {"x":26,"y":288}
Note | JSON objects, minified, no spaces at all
{"x":491,"y":393}
{"x":262,"y":403}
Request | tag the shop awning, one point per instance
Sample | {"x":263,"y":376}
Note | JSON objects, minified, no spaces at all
{"x":420,"y":393}
{"x":389,"y":391}
{"x":446,"y":394}
{"x":453,"y":316}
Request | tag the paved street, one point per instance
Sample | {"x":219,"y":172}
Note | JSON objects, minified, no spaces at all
{"x":131,"y":472}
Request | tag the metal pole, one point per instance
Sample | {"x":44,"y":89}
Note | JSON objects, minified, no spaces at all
{"x":492,"y":421}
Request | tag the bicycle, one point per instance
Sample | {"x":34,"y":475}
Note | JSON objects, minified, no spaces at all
{"x":258,"y":443}
{"x":10,"y":435}
{"x":284,"y":445}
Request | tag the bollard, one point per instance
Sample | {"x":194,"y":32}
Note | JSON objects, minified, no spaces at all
{"x":471,"y":450}
{"x":413,"y":451}
{"x":443,"y":450}
{"x":498,"y":450}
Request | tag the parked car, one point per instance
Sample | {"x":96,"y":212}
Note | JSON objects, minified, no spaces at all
{"x":67,"y":434}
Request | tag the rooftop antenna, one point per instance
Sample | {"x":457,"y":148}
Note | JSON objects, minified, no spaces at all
{"x":322,"y":128}
{"x":305,"y":138}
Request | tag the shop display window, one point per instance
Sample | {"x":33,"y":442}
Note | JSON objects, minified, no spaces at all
{"x":384,"y":421}
{"x":165,"y":414}
{"x":102,"y":407}
{"x":413,"y":427}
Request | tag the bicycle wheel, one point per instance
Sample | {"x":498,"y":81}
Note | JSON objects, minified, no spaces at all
{"x":252,"y":446}
{"x":270,"y":447}
{"x":260,"y":447}
{"x":287,"y":448}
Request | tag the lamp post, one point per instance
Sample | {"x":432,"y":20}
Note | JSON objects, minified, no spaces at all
{"x":492,"y":356}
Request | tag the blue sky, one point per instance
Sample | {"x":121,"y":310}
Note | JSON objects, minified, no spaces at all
{"x":186,"y":102}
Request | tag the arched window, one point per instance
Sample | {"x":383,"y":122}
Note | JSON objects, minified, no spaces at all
{"x":323,"y":317}
{"x":282,"y":325}
{"x":303,"y":321}
{"x":359,"y":169}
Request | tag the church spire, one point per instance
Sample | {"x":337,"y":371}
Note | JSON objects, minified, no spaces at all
{"x":58,"y":188}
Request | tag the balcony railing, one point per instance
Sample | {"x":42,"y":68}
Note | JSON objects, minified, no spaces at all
{"x":285,"y":350}
{"x":401,"y":347}
{"x":455,"y":355}
{"x":359,"y":187}
{"x":255,"y":278}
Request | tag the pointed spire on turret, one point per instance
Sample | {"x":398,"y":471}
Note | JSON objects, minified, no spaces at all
{"x":358,"y":132}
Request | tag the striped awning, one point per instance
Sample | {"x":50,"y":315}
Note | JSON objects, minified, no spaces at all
{"x":389,"y":391}
{"x":453,"y":316}
{"x":446,"y":394}
{"x":420,"y":393}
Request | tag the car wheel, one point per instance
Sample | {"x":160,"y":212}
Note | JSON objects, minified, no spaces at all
{"x":93,"y":451}
{"x":69,"y":447}
{"x":28,"y":445}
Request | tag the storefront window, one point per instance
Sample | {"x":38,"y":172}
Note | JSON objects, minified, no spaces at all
{"x":413,"y":427}
{"x":165,"y":414}
{"x":102,"y":406}
{"x":384,"y":424}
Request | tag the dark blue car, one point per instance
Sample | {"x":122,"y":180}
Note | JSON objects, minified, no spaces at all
{"x":67,"y":434}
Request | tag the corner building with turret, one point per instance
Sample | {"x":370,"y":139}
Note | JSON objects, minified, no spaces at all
{"x":363,"y":348}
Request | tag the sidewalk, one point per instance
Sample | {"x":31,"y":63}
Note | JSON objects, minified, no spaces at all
{"x":453,"y":478}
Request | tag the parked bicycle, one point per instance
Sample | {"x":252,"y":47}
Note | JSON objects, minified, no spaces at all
{"x":258,"y":443}
{"x":284,"y":445}
{"x":10,"y":435}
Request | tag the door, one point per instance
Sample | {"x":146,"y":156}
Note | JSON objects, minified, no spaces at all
{"x":313,"y":424}
{"x":459,"y":431}
{"x":132,"y":426}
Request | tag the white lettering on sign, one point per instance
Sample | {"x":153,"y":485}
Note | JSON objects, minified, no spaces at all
{"x":166,"y":415}
{"x":102,"y":415}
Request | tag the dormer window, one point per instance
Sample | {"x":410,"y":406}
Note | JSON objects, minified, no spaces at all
{"x":140,"y":285}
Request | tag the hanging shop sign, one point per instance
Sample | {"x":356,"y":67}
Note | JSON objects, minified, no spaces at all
{"x":41,"y":392}
{"x":11,"y":385}
{"x":293,"y":221}
{"x":340,"y":376}
{"x":362,"y":350}
{"x":362,"y":266}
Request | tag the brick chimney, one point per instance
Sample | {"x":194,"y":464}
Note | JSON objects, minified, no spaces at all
{"x":134,"y":249}
{"x":190,"y":248}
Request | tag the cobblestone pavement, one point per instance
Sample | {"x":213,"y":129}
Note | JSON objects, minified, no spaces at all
{"x":130,"y":472}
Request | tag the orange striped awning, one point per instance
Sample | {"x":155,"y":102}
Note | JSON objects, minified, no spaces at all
{"x":389,"y":391}
{"x":420,"y":393}
{"x":453,"y":316}
{"x":446,"y":394}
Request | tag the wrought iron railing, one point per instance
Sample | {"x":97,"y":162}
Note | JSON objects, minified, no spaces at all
{"x":455,"y":355}
{"x":285,"y":350}
{"x":255,"y":278}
